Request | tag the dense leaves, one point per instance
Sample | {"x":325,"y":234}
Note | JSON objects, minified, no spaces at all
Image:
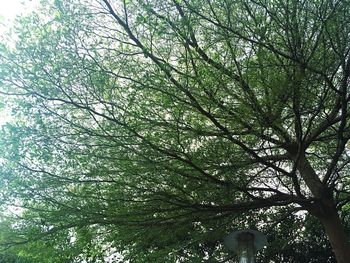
{"x":154,"y":128}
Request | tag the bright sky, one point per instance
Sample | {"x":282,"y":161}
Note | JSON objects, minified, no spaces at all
{"x":10,"y":8}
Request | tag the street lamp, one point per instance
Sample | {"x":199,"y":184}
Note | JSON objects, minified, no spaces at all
{"x":245,"y":243}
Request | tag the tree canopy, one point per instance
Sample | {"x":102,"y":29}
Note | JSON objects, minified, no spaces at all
{"x":155,"y":128}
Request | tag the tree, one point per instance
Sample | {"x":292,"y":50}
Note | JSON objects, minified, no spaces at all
{"x":156,"y":127}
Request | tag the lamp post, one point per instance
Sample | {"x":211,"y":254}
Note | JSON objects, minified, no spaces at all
{"x":245,"y":243}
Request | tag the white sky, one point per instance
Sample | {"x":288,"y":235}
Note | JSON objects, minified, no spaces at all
{"x":10,"y":8}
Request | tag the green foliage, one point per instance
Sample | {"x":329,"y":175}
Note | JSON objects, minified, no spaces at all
{"x":154,"y":128}
{"x":305,"y":244}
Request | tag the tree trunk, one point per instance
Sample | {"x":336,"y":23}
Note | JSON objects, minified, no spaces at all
{"x":336,"y":235}
{"x":325,"y":210}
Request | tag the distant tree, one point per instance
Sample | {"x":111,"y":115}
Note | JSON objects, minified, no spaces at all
{"x":295,"y":245}
{"x":154,"y":128}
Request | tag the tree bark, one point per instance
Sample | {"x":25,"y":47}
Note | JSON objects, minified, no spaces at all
{"x":325,"y":210}
{"x":337,"y":236}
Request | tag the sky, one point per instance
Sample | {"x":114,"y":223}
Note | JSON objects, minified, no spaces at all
{"x":10,"y":8}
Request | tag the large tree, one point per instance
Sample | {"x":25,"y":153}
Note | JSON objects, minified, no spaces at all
{"x":156,"y":127}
